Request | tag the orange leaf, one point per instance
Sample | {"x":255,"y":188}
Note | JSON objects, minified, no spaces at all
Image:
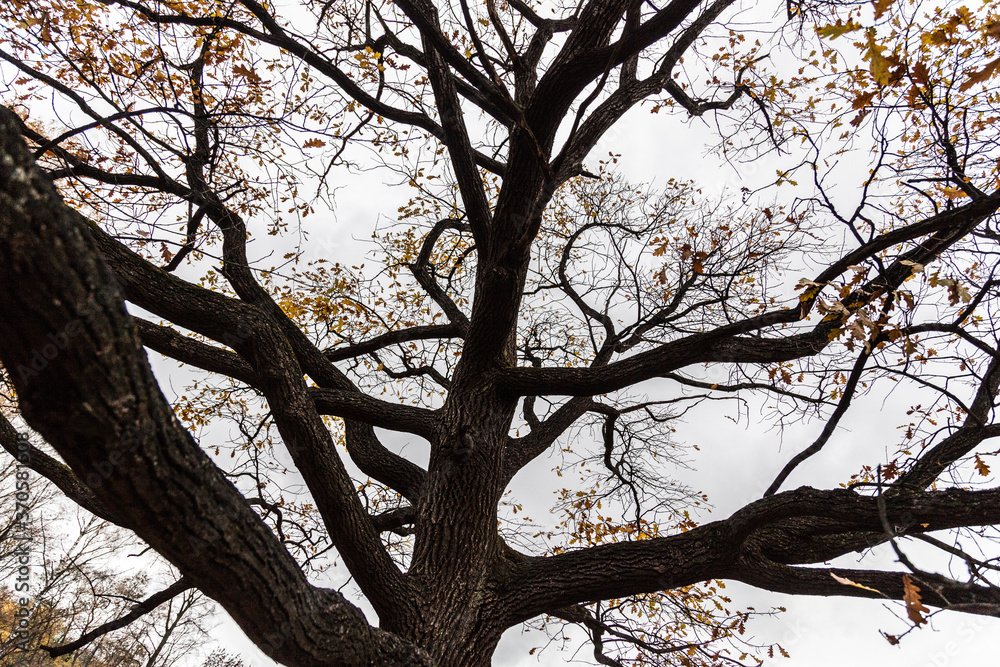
{"x":881,"y":7}
{"x":990,"y":70}
{"x":314,"y":143}
{"x":911,"y":596}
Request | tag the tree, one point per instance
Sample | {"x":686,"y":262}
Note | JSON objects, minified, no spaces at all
{"x":74,"y":601}
{"x":518,"y":304}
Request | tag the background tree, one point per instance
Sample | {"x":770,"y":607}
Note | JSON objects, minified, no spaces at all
{"x":516,"y":308}
{"x":83,"y":609}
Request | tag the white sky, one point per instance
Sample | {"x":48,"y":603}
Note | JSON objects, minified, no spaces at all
{"x":736,"y":461}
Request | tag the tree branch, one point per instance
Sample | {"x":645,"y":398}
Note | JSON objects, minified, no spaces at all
{"x":138,"y":611}
{"x":56,"y":472}
{"x":427,"y":332}
{"x":172,"y":344}
{"x":935,"y":590}
{"x":728,"y":343}
{"x":715,"y":550}
{"x":98,"y":404}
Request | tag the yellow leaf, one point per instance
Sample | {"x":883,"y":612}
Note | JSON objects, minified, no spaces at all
{"x":837,"y":29}
{"x":878,"y":64}
{"x":848,"y":582}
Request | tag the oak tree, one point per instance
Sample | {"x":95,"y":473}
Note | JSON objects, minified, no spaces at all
{"x":525,"y":299}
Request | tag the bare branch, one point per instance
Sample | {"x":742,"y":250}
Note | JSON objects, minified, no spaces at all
{"x":138,"y":611}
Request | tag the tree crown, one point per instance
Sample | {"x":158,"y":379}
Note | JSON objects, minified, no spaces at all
{"x":523,"y":298}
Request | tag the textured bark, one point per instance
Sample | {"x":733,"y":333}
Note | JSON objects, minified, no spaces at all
{"x":77,"y":361}
{"x":96,"y":401}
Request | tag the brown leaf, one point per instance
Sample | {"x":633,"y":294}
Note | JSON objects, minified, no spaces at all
{"x":981,"y":467}
{"x":920,"y":73}
{"x":881,"y":7}
{"x":862,"y":100}
{"x":246,"y":73}
{"x":914,"y":607}
{"x":989,"y":70}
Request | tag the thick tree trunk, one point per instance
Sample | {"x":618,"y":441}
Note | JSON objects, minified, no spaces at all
{"x":456,"y":547}
{"x":452,"y":631}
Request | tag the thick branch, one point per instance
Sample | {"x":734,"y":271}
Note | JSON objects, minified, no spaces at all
{"x":428,"y":332}
{"x":97,"y":403}
{"x":357,"y":406}
{"x":714,"y":550}
{"x":172,"y":344}
{"x":521,"y":451}
{"x":231,"y":323}
{"x":455,"y":133}
{"x":729,"y":343}
{"x":54,"y":471}
{"x":935,"y":590}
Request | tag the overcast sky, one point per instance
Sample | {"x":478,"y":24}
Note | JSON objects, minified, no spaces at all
{"x":736,"y":461}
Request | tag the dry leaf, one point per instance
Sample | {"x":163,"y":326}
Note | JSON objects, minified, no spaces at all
{"x":988,"y":71}
{"x":881,"y":7}
{"x":848,"y":582}
{"x":981,"y":467}
{"x":246,"y":73}
{"x":911,"y":596}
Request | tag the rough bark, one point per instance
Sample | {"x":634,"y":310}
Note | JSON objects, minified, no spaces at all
{"x":76,"y":359}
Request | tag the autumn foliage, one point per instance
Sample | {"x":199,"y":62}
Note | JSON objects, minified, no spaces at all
{"x":518,"y":307}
